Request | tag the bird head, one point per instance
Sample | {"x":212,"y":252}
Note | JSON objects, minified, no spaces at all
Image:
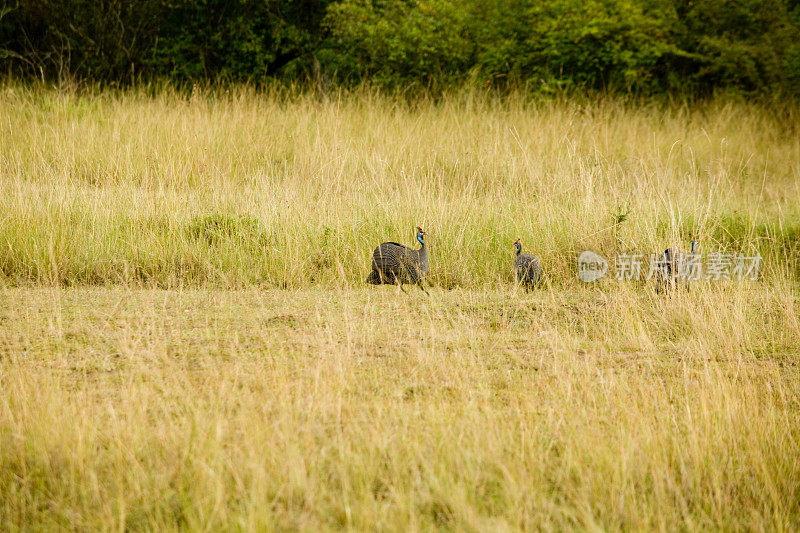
{"x":518,"y":246}
{"x":420,"y":235}
{"x":695,"y":242}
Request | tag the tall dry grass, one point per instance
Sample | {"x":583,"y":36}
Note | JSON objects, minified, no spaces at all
{"x":236,"y":187}
{"x":186,"y":341}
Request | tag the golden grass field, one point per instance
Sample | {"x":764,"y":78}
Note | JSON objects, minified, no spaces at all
{"x":187,"y":342}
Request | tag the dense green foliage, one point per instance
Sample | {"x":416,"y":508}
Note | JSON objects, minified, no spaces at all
{"x":632,"y":45}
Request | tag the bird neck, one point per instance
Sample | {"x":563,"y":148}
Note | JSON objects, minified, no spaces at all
{"x":421,"y":240}
{"x":519,"y":249}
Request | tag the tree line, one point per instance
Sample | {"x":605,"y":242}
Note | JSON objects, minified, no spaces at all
{"x":641,"y":46}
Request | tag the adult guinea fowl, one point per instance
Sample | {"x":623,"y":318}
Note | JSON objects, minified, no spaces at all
{"x":527,"y":267}
{"x":671,"y":266}
{"x":394,"y":263}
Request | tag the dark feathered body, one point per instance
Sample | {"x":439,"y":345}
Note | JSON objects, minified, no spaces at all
{"x":670,"y":267}
{"x":394,"y":263}
{"x":667,"y":270}
{"x":528,"y":270}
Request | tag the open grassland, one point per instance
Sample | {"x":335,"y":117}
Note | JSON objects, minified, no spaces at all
{"x":186,"y":340}
{"x":235,"y":189}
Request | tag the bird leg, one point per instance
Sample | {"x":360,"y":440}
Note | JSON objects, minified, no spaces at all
{"x":399,"y":282}
{"x":422,"y":286}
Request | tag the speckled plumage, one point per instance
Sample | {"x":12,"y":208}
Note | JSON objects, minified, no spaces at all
{"x":670,"y":266}
{"x":526,"y":267}
{"x":394,"y":263}
{"x":667,"y":267}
